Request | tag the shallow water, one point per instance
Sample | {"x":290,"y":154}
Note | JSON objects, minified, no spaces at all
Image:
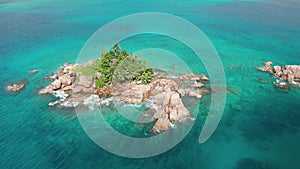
{"x":260,"y":127}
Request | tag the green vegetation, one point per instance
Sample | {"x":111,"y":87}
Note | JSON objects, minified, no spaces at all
{"x":132,"y":69}
{"x":99,"y":83}
{"x":117,"y":66}
{"x":89,"y":70}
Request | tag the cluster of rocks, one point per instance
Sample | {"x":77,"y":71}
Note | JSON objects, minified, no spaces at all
{"x":166,"y":95}
{"x":15,"y":87}
{"x":74,"y":89}
{"x":18,"y":86}
{"x":68,"y":80}
{"x":287,"y":73}
{"x":70,"y":86}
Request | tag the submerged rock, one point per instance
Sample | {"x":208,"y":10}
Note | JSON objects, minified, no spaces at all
{"x":33,"y":72}
{"x":249,"y":163}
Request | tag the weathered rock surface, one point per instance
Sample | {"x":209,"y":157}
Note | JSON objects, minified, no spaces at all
{"x":56,"y":84}
{"x":67,"y":80}
{"x":86,"y":81}
{"x":162,"y":124}
{"x":164,"y":93}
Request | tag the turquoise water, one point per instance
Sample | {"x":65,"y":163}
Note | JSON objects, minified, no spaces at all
{"x":260,"y":127}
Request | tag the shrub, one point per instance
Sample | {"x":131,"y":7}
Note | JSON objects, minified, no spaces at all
{"x":117,"y":66}
{"x":99,"y":83}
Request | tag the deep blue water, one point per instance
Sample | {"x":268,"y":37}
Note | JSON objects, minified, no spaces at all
{"x":260,"y":127}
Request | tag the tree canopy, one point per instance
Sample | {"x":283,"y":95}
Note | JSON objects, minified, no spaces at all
{"x":117,"y":66}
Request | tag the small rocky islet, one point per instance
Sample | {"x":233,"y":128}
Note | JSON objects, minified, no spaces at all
{"x":20,"y":85}
{"x":286,"y":76}
{"x":15,"y":87}
{"x":122,"y":77}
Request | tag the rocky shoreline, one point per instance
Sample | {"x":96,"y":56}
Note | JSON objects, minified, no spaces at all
{"x":286,"y":76}
{"x":74,"y":89}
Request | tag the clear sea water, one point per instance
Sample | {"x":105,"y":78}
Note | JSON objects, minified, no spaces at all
{"x":260,"y":127}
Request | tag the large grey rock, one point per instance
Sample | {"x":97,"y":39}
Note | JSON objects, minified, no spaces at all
{"x":56,"y":84}
{"x":277,"y":71}
{"x":158,"y":99}
{"x":174,"y":115}
{"x":134,"y":94}
{"x":166,"y":100}
{"x":175,"y":100}
{"x":76,"y":88}
{"x":162,"y":124}
{"x":290,"y":77}
{"x":159,"y":113}
{"x":66,"y":80}
{"x":163,"y":99}
{"x":86,"y":81}
{"x":183,"y":112}
{"x":295,"y":69}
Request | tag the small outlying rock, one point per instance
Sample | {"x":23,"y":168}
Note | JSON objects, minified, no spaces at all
{"x":267,"y":67}
{"x":32,"y":72}
{"x":15,"y":87}
{"x":287,"y":73}
{"x":194,"y":77}
{"x":204,"y":77}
